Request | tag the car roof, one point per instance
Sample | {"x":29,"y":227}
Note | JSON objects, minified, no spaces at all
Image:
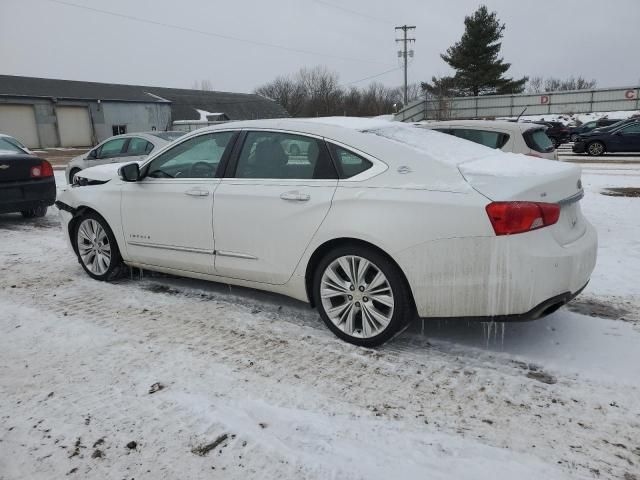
{"x":150,"y":136}
{"x":493,"y":124}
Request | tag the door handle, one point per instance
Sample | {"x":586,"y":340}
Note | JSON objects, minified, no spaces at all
{"x":197,"y":192}
{"x":295,"y":196}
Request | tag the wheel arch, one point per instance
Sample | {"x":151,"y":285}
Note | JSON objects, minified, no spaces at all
{"x":597,"y":140}
{"x":329,"y":245}
{"x":79,"y":213}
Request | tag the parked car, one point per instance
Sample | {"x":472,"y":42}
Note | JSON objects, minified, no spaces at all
{"x":383,"y":222}
{"x":558,"y":132}
{"x":120,"y":148}
{"x":622,"y":139}
{"x":616,"y":125}
{"x":10,"y":145}
{"x":27,"y":184}
{"x":515,"y":137}
{"x":574,"y":132}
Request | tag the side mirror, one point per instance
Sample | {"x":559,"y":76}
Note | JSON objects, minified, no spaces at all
{"x":93,"y":154}
{"x":129,"y":172}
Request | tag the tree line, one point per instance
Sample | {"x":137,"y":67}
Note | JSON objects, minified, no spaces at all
{"x":317,"y":91}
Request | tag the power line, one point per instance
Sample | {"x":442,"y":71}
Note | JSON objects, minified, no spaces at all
{"x":373,"y":76}
{"x":211,"y":34}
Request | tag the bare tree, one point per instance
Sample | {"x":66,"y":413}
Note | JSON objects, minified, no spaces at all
{"x":317,"y":92}
{"x":203,"y":85}
{"x":553,"y":84}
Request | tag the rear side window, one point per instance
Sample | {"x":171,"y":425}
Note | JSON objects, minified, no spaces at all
{"x":483,"y":137}
{"x":348,"y":163}
{"x":279,"y":155}
{"x":538,"y":140}
{"x":139,"y":146}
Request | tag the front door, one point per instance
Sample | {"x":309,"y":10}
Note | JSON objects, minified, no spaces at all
{"x":275,"y":196}
{"x":167,"y":216}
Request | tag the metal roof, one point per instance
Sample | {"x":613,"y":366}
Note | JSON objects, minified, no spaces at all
{"x":184,"y":102}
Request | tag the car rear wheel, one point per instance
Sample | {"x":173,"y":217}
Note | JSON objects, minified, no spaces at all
{"x":37,"y":212}
{"x":595,"y":148}
{"x":361,"y":295}
{"x":97,"y":249}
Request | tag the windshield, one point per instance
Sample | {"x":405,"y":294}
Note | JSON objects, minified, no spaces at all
{"x":7,"y":145}
{"x":168,"y":136}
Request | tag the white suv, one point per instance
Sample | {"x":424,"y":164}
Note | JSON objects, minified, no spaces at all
{"x":515,"y":137}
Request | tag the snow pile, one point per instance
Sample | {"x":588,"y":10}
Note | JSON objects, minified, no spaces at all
{"x":514,"y":165}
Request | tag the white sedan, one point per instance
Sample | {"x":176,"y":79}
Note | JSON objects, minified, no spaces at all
{"x":376,"y":222}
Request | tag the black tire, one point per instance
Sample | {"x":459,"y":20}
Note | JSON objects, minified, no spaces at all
{"x":403,"y":311}
{"x":72,"y":174}
{"x":116,"y":265}
{"x":36,"y":212}
{"x":596,"y":149}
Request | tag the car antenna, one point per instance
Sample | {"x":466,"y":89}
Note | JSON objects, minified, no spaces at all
{"x":521,"y":113}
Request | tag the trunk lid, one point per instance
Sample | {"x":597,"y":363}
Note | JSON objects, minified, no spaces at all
{"x":17,"y":167}
{"x":509,"y":177}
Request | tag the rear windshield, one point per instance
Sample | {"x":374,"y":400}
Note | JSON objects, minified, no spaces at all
{"x":9,"y":146}
{"x":168,"y":136}
{"x":483,"y":137}
{"x":538,"y":140}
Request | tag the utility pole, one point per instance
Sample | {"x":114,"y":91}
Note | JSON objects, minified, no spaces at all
{"x":404,"y":53}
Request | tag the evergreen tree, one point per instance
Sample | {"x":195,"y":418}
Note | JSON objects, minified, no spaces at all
{"x":479,"y":69}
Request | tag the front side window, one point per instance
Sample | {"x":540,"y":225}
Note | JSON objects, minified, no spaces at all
{"x":112,"y":148}
{"x":349,"y":164}
{"x":198,"y":157}
{"x":283,"y":156}
{"x":483,"y":137}
{"x":139,"y":146}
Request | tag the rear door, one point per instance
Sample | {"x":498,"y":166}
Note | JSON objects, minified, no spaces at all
{"x":270,"y":204}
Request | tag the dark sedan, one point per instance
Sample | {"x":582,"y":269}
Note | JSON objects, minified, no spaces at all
{"x":623,"y":139}
{"x":27,"y":185}
{"x":575,"y":132}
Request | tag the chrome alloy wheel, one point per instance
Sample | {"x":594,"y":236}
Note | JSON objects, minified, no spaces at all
{"x":596,"y":148}
{"x":356,"y":296}
{"x":94,"y":247}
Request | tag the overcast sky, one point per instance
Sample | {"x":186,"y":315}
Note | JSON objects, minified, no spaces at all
{"x":47,"y":38}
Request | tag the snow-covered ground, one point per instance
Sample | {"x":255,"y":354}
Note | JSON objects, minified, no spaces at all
{"x":253,"y":386}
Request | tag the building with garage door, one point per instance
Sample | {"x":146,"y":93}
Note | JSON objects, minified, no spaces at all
{"x":43,"y":112}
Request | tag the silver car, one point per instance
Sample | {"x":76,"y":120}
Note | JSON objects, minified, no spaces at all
{"x":121,"y":148}
{"x":515,"y":137}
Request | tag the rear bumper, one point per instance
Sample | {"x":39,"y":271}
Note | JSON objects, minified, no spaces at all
{"x":24,"y":195}
{"x":516,"y":277}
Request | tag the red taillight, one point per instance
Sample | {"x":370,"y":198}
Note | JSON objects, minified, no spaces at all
{"x":41,"y":171}
{"x":509,"y":218}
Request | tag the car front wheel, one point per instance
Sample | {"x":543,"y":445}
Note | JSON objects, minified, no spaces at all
{"x":595,"y":148}
{"x":361,"y":295}
{"x":97,"y":249}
